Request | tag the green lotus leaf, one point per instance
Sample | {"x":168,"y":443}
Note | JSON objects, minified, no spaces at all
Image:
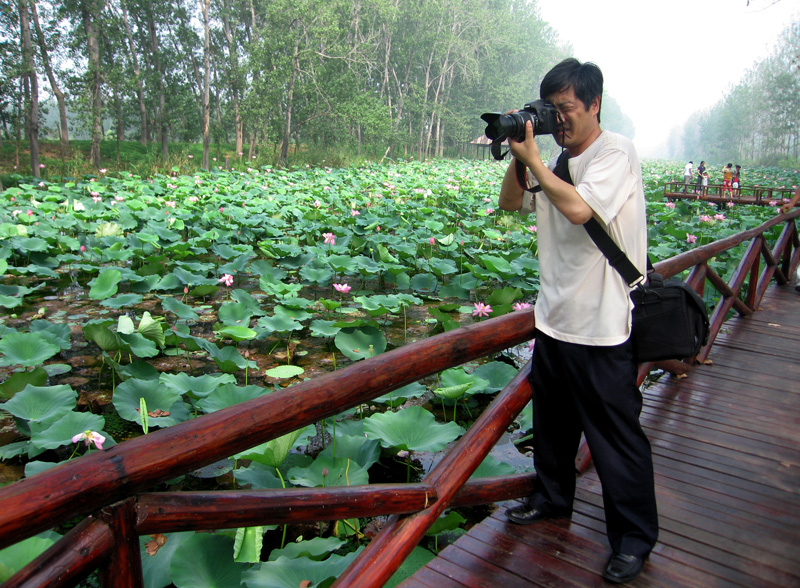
{"x":197,"y":386}
{"x":138,"y":344}
{"x":412,"y":429}
{"x":314,"y":549}
{"x":457,"y":377}
{"x":151,"y":329}
{"x":171,"y":282}
{"x":229,"y":395}
{"x":55,"y":333}
{"x":56,"y":434}
{"x":19,"y":380}
{"x":452,"y":392}
{"x":360,"y":343}
{"x":279,"y":323}
{"x":256,"y":475}
{"x":204,"y":561}
{"x":490,"y":467}
{"x":497,"y":375}
{"x":321,"y":328}
{"x":158,"y":397}
{"x":274,"y":452}
{"x":105,"y":284}
{"x":101,"y":333}
{"x":228,"y":358}
{"x":108,"y":230}
{"x":498,"y":265}
{"x":183,"y":311}
{"x":443,"y":267}
{"x":448,"y":522}
{"x":235,"y":314}
{"x":316,"y":275}
{"x":427,"y":283}
{"x":412,"y":390}
{"x":327,"y":471}
{"x":364,"y":452}
{"x":10,"y":301}
{"x":42,"y":403}
{"x":155,"y":568}
{"x":26,"y":349}
{"x":503,"y":296}
{"x":122,"y":301}
{"x":284,"y":371}
{"x":17,"y":556}
{"x":291,"y":573}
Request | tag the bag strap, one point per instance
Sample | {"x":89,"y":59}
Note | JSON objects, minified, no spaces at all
{"x":618,"y":260}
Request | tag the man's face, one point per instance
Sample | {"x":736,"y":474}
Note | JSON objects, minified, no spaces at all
{"x":579,"y":124}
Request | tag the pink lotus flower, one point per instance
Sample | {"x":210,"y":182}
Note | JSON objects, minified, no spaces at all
{"x":330,"y":239}
{"x":489,"y":210}
{"x":731,"y":204}
{"x":103,"y":170}
{"x":343,"y":288}
{"x":90,"y":438}
{"x":432,"y":240}
{"x":481,"y":309}
{"x":30,"y":212}
{"x":317,"y":203}
{"x":532,"y":228}
{"x":520,"y":305}
{"x":670,"y":205}
{"x":226,"y":279}
{"x":691,"y":238}
{"x":719,"y":217}
{"x":705,"y":218}
{"x":83,"y":248}
{"x":354,"y":212}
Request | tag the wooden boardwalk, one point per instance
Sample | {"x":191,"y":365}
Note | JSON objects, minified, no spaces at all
{"x":726,"y":447}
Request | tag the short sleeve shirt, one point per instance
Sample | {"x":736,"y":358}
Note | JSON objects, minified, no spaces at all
{"x":582,"y":299}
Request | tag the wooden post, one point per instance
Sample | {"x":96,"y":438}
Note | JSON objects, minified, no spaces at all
{"x":124,"y":569}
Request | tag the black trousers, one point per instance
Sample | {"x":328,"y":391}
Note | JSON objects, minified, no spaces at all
{"x":592,"y":390}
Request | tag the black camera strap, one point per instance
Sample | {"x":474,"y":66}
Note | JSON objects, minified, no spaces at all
{"x":616,"y":258}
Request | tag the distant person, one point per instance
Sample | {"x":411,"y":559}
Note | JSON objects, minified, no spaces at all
{"x":687,"y":176}
{"x":736,"y":175}
{"x":701,"y":169}
{"x":727,"y":178}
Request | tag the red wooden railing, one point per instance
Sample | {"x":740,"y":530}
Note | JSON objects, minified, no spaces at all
{"x":109,"y":486}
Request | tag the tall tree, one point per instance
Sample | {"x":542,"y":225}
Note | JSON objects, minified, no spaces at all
{"x":31,"y":85}
{"x":90,"y":15}
{"x":63,"y":134}
{"x":204,"y":5}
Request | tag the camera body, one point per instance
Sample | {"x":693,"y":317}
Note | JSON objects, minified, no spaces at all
{"x":543,"y":116}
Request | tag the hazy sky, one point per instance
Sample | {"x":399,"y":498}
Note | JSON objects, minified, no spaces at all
{"x":664,"y":60}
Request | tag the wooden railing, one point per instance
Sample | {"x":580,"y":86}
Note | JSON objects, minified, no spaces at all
{"x":108,"y":485}
{"x":717,"y":193}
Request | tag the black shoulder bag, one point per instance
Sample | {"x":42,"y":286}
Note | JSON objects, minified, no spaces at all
{"x":670,"y":319}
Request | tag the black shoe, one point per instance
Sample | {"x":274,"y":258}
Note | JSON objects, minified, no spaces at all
{"x":524,"y":514}
{"x":622,"y":568}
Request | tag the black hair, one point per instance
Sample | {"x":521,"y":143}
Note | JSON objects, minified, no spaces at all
{"x":585,"y":79}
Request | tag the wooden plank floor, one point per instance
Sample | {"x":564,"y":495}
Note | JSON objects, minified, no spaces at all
{"x":726,"y":447}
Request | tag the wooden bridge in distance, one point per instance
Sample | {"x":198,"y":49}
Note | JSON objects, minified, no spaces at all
{"x":759,"y":195}
{"x":726,"y":448}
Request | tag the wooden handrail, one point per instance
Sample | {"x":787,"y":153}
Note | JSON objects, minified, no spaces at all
{"x":114,"y":476}
{"x":72,"y":489}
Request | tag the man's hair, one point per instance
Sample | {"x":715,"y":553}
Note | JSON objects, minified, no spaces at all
{"x":585,"y":79}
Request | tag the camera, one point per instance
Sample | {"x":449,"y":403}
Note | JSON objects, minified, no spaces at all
{"x":543,"y":116}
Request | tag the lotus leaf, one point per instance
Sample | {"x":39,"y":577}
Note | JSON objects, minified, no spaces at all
{"x":26,"y":349}
{"x":257,"y":476}
{"x":284,"y":371}
{"x":19,"y":380}
{"x":197,"y":386}
{"x":105,"y":284}
{"x":497,"y":375}
{"x":160,"y":400}
{"x":454,"y":377}
{"x":204,"y":561}
{"x":17,"y":556}
{"x":291,"y":573}
{"x":412,"y":429}
{"x":248,"y":543}
{"x":55,"y":333}
{"x":274,"y":452}
{"x":360,"y":343}
{"x":56,"y":434}
{"x":364,"y":452}
{"x":237,"y":333}
{"x":181,"y":310}
{"x":315,"y":549}
{"x":41,"y":404}
{"x":229,"y":395}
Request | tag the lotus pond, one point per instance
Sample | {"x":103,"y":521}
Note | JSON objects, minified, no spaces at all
{"x":130,"y":304}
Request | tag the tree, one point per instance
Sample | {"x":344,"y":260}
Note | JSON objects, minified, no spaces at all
{"x":31,"y":86}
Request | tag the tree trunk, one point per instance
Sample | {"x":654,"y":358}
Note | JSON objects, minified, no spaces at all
{"x":88,"y":15}
{"x":161,"y":119}
{"x":238,"y":125}
{"x":144,"y":136}
{"x":204,"y":5}
{"x":287,"y":128}
{"x":62,"y":105}
{"x":31,"y":87}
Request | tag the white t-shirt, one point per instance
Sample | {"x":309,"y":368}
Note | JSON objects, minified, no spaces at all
{"x":687,"y":171}
{"x":582,"y":299}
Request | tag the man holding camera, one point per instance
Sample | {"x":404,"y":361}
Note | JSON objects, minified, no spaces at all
{"x":584,"y":374}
